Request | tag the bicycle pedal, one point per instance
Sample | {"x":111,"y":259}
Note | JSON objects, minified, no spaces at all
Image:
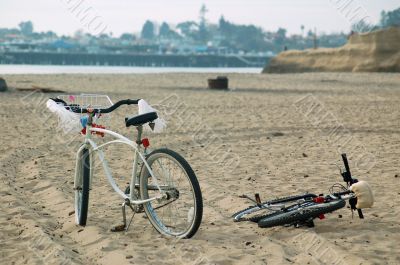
{"x":310,"y":223}
{"x":139,"y":209}
{"x":118,"y":228}
{"x":304,"y":224}
{"x":127,"y":190}
{"x":298,"y":225}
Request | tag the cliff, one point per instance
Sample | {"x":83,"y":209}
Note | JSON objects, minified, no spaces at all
{"x":377,"y":51}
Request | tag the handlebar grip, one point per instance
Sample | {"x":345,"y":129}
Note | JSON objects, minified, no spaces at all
{"x":360,"y":214}
{"x":346,"y":163}
{"x":347,"y":174}
{"x":132,"y":101}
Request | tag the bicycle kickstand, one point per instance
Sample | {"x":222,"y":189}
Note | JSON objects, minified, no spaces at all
{"x":124,"y":226}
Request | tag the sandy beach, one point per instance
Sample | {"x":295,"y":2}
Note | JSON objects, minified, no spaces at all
{"x":275,"y":135}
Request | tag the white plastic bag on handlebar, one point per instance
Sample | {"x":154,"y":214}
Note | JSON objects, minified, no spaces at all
{"x":144,"y":107}
{"x":68,"y":121}
{"x":365,"y":198}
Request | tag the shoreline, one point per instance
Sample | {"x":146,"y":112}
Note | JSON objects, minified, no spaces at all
{"x":76,"y":69}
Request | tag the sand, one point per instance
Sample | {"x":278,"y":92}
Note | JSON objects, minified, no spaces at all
{"x":262,"y":136}
{"x":377,"y":51}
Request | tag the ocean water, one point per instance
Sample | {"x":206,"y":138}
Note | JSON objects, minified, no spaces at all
{"x":67,"y":69}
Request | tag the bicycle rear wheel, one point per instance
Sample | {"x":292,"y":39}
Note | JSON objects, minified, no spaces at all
{"x":82,"y":186}
{"x":295,"y":215}
{"x":180,"y":214}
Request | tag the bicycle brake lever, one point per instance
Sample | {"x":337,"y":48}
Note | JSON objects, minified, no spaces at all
{"x":247,"y":197}
{"x":258,"y":199}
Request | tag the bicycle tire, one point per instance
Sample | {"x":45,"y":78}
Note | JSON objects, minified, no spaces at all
{"x":241,"y":215}
{"x":293,"y":216}
{"x":82,"y":189}
{"x":151,"y":211}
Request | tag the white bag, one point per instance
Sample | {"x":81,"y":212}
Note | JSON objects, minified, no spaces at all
{"x":144,"y":107}
{"x":68,"y":121}
{"x":365,"y":198}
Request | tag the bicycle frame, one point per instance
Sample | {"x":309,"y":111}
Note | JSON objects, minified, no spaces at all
{"x":279,"y":206}
{"x":94,"y":148}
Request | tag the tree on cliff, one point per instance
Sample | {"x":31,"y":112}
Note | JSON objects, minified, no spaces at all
{"x":26,"y":28}
{"x":243,"y":37}
{"x":390,"y":19}
{"x":148,"y":30}
{"x":164,"y":30}
{"x":203,"y":33}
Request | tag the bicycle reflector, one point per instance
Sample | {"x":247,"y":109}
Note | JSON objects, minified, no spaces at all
{"x":319,"y":199}
{"x":145,"y":142}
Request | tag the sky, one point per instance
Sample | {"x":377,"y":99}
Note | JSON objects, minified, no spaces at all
{"x":120,"y":16}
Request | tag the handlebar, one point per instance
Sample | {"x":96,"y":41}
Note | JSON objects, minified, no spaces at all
{"x":77,"y":109}
{"x":350,"y":181}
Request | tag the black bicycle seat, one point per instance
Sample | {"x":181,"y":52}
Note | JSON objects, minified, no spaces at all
{"x":141,"y":119}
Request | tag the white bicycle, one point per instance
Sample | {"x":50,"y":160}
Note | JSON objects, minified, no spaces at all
{"x":163,"y":184}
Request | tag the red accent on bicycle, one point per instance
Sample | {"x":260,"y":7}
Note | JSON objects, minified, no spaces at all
{"x":96,"y":133}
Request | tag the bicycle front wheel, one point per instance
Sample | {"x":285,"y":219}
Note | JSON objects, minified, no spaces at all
{"x":255,"y":213}
{"x":180,"y":213}
{"x":82,"y":186}
{"x":300,"y":215}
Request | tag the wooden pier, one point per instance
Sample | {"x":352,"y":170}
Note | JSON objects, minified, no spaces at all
{"x":156,"y":60}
